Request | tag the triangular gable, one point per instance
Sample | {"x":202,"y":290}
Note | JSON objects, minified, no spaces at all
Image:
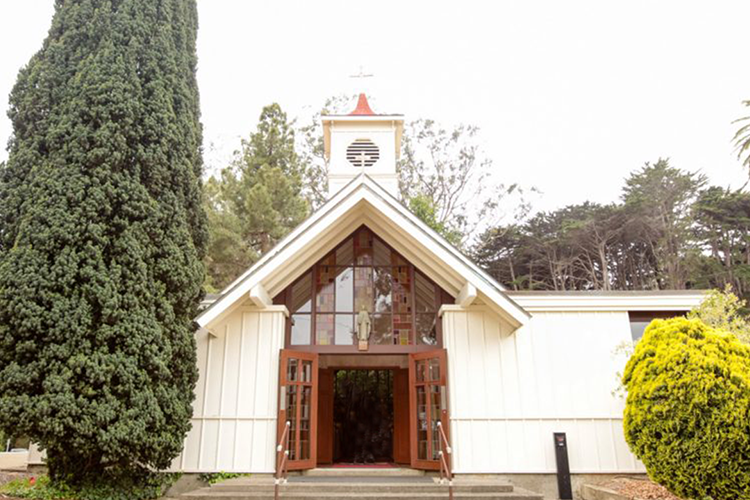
{"x":363,"y":201}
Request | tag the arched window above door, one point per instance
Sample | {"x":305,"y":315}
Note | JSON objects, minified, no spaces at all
{"x":363,"y":272}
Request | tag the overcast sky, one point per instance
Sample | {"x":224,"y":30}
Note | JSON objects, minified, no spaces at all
{"x":570,"y":96}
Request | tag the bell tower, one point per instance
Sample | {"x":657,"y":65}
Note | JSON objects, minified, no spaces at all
{"x":362,"y":142}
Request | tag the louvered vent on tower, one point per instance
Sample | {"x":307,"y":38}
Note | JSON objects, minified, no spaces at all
{"x":362,"y":153}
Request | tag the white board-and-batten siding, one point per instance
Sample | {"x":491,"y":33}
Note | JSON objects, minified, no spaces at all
{"x":236,"y":404}
{"x":509,"y":392}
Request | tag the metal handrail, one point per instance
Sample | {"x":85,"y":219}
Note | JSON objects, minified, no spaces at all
{"x":282,"y":454}
{"x":445,"y":469}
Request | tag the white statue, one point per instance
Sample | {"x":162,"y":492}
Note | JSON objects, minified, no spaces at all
{"x":363,"y":325}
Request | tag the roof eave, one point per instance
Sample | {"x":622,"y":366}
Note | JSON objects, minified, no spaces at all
{"x":442,"y":251}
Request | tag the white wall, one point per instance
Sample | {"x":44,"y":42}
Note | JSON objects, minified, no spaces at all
{"x":235,"y":409}
{"x":510,"y":392}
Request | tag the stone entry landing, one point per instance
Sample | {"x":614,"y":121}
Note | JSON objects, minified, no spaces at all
{"x":390,"y":484}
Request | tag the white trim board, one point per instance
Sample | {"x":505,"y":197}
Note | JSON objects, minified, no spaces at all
{"x":603,"y":301}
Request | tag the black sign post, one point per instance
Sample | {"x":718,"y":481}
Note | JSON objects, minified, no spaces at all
{"x":564,"y":489}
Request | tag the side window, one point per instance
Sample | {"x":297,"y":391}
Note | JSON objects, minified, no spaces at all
{"x":639,"y":320}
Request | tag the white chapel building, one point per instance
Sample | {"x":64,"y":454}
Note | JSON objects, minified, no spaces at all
{"x":502,"y":371}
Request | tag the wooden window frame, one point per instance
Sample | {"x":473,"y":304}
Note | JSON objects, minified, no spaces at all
{"x":285,"y":297}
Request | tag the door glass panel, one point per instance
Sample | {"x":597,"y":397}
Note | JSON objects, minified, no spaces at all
{"x":382,"y":332}
{"x":291,"y":417}
{"x":344,"y":329}
{"x":420,"y":371}
{"x":291,"y":370}
{"x":306,"y":372}
{"x":435,"y":417}
{"x":324,"y":329}
{"x":304,"y":423}
{"x":421,"y":423}
{"x":345,"y":289}
{"x":434,"y":369}
{"x":301,"y":327}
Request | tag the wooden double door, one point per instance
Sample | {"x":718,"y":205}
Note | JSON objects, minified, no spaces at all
{"x":420,"y":401}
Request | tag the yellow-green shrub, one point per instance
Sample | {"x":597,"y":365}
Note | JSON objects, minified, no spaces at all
{"x":687,"y":415}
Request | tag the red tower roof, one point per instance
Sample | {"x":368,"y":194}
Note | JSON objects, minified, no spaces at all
{"x":363,"y":107}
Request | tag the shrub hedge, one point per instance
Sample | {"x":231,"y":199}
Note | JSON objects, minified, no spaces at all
{"x":687,"y":415}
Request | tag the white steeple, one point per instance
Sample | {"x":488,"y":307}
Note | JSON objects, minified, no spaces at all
{"x":362,"y":141}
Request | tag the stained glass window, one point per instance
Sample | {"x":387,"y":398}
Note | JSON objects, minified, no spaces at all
{"x":364,"y":273}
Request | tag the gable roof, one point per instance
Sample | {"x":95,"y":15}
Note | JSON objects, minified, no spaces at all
{"x":363,"y":201}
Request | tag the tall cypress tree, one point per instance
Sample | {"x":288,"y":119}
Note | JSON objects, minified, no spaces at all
{"x":101,"y":239}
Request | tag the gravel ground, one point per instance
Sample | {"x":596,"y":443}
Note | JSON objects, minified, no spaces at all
{"x":643,"y":489}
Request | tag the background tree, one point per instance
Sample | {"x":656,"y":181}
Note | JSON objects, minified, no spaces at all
{"x":667,"y":233}
{"x":722,"y":231}
{"x":257,"y":200}
{"x":661,"y":197}
{"x":424,"y":207}
{"x":312,"y":149}
{"x":228,"y":254}
{"x":101,"y":240}
{"x":443,"y":174}
{"x":574,"y":248}
{"x":261,"y":196}
{"x":725,"y":311}
{"x":501,"y":251}
{"x":448,"y":167}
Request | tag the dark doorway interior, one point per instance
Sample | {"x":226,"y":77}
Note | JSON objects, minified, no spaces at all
{"x":363,"y":416}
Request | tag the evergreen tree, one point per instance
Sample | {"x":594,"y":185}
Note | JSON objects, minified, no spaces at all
{"x":228,"y":254}
{"x":101,"y":239}
{"x":722,"y":230}
{"x":424,"y":208}
{"x":257,"y":200}
{"x":661,"y":197}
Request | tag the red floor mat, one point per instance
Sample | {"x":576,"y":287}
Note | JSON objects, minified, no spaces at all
{"x":376,"y":465}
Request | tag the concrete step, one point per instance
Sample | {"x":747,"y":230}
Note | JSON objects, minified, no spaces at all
{"x":365,"y":494}
{"x":370,"y":488}
{"x":421,"y":489}
{"x":361,"y":487}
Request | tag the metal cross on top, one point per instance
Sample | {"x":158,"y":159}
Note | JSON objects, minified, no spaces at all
{"x":362,"y":74}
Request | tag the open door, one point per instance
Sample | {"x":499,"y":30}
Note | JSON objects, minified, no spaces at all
{"x":325,"y":416}
{"x":298,"y":405}
{"x":401,"y":421}
{"x":428,"y":401}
